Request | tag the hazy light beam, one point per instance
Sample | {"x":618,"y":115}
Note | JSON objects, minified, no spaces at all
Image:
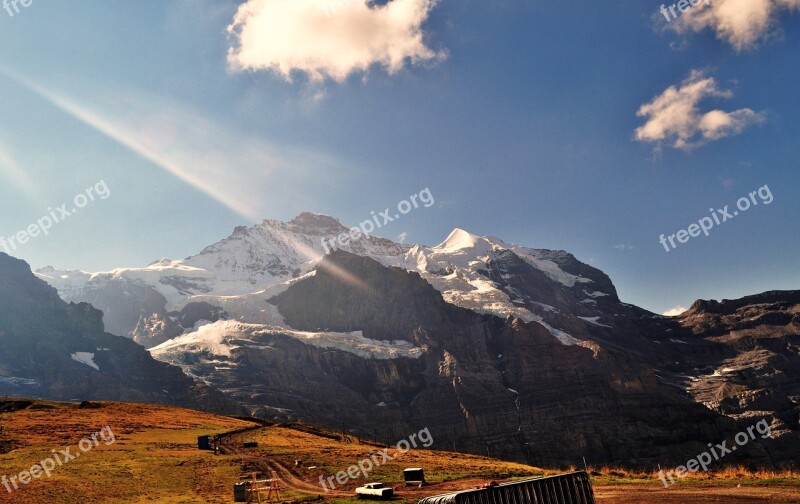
{"x":130,"y":139}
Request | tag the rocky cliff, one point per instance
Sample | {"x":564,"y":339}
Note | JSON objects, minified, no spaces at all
{"x":527,"y":354}
{"x":54,"y":350}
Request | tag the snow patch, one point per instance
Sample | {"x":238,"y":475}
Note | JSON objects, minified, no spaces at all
{"x":18,"y":382}
{"x":222,"y":337}
{"x":549,"y":268}
{"x":460,"y":240}
{"x":594,"y":320}
{"x":565,"y":338}
{"x":86,"y":358}
{"x":356,"y":343}
{"x":215,"y":339}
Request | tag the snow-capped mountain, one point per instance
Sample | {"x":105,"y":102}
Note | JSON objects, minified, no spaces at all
{"x":232,"y":278}
{"x":54,"y":350}
{"x":525,"y":351}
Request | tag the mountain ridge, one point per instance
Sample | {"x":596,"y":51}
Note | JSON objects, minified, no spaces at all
{"x":60,"y":351}
{"x":492,"y":342}
{"x":272,"y":254}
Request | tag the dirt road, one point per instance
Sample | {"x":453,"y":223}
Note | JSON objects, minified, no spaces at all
{"x":706,"y":494}
{"x":290,"y":480}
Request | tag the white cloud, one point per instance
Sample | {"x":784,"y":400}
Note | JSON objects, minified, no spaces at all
{"x":674,"y":116}
{"x":329,"y":38}
{"x":741,"y":23}
{"x":624,"y":246}
{"x":675,"y":311}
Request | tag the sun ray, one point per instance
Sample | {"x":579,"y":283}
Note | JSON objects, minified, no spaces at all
{"x":11,"y":170}
{"x":203,"y":175}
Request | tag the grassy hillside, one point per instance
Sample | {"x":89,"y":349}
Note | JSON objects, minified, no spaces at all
{"x":154,"y":458}
{"x":313,"y":454}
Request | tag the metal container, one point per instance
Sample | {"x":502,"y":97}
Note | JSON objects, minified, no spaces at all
{"x":240,"y":492}
{"x":571,"y":488}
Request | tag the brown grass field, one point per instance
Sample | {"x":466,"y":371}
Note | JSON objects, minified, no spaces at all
{"x":155,"y":459}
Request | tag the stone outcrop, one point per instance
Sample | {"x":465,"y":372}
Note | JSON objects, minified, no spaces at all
{"x":54,"y":350}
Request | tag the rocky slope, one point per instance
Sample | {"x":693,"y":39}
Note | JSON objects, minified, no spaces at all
{"x":405,"y":360}
{"x":527,"y":354}
{"x":51,"y":349}
{"x":741,"y":358}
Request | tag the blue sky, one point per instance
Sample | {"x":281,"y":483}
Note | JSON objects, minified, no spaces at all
{"x":520,"y":116}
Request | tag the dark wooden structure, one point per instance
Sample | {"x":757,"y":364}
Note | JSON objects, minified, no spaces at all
{"x":571,"y":488}
{"x":414,"y":476}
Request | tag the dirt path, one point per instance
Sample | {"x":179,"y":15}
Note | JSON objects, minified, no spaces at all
{"x":289,"y":478}
{"x":605,"y":494}
{"x":638,"y":494}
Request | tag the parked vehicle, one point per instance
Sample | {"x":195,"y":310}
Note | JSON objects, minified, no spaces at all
{"x":374,"y":491}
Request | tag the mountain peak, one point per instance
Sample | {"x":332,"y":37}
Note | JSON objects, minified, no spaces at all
{"x":459,"y":240}
{"x":310,"y":219}
{"x":19,"y":287}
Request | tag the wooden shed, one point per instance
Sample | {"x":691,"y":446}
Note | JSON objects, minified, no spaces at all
{"x":414,"y":476}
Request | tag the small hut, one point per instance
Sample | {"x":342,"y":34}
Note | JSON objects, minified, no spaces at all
{"x":414,"y":476}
